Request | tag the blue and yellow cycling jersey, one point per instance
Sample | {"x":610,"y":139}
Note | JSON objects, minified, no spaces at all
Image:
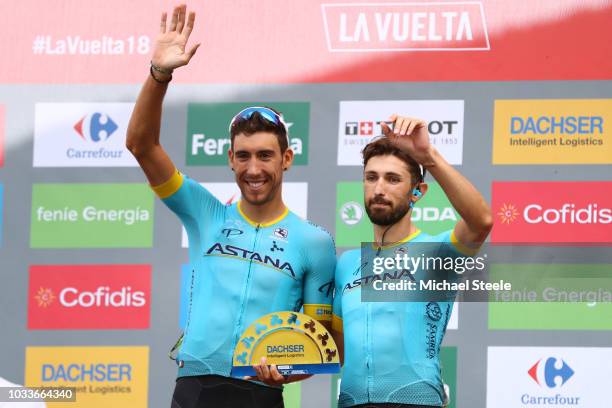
{"x":391,"y":349}
{"x":241,"y":271}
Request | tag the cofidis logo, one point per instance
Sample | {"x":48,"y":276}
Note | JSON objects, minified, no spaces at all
{"x":91,"y":216}
{"x":89,"y":297}
{"x":563,"y":131}
{"x":103,"y":376}
{"x":82,"y":135}
{"x":552,"y":211}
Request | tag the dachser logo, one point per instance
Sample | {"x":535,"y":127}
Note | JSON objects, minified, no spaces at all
{"x":552,"y":211}
{"x":379,"y":27}
{"x":556,"y":131}
{"x":102,"y":376}
{"x":89,"y":297}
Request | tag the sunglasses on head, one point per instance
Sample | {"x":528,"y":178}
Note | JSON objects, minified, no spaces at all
{"x":266,"y":113}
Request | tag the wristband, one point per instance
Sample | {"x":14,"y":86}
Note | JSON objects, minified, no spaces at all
{"x":161,"y":70}
{"x":158,"y":80}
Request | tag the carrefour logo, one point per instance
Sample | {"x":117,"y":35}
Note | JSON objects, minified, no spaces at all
{"x":552,"y":373}
{"x":95,"y":127}
{"x":81,"y":135}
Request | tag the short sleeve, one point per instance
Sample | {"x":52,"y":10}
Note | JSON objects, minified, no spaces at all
{"x":318,"y":280}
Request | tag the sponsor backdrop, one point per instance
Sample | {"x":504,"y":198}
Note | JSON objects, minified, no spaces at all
{"x":517,"y":96}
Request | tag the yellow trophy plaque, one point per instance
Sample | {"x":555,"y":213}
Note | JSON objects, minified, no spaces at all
{"x":295,"y":342}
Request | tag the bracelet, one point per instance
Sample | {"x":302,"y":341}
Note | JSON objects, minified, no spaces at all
{"x":161,"y":70}
{"x":158,"y":80}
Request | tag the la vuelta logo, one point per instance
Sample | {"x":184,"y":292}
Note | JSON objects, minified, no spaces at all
{"x":552,"y":211}
{"x":375,"y":27}
{"x":89,"y":297}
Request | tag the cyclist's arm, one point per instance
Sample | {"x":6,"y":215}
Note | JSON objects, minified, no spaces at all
{"x":143,"y":130}
{"x":143,"y":133}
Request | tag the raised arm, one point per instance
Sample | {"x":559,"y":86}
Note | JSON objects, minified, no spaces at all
{"x":143,"y":130}
{"x":476,"y":220}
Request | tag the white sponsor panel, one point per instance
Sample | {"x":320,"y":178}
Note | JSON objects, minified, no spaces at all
{"x":525,"y":377}
{"x":295,"y":196}
{"x":453,"y":322}
{"x":82,"y":135}
{"x":360,"y":123}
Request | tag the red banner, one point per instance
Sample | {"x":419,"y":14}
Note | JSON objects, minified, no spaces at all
{"x":110,"y":41}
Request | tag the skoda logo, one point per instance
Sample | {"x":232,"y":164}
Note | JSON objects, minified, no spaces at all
{"x":351,"y":213}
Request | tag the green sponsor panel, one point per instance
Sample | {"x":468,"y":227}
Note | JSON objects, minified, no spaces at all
{"x":208,"y":138}
{"x":335,"y":390}
{"x":91,"y":216}
{"x":433,"y":214}
{"x":448,"y":363}
{"x":552,"y":297}
{"x":292,"y":395}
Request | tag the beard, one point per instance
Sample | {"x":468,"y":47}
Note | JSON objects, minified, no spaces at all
{"x":389,"y":216}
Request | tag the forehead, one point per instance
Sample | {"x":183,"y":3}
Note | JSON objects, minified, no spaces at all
{"x":256,"y":142}
{"x":387,"y":164}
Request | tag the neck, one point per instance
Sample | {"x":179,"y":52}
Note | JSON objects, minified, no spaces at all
{"x":263,"y":213}
{"x":395,"y":232}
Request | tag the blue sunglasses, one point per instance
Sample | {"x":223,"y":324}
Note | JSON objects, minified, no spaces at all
{"x":267,"y":113}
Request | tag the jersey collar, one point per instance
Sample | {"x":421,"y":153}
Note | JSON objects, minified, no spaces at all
{"x":401,"y":241}
{"x":261,"y":224}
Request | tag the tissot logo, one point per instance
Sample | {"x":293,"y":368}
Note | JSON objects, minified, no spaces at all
{"x":376,"y":27}
{"x":89,"y":297}
{"x":552,"y":211}
{"x":360,"y":122}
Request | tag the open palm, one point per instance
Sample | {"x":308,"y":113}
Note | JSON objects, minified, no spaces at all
{"x":410,"y":134}
{"x":170,"y":46}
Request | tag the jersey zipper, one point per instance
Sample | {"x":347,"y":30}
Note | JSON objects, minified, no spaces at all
{"x":243,"y":297}
{"x":368,"y":341}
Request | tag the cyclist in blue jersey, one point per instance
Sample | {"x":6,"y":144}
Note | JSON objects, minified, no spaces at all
{"x":391,"y":348}
{"x":247,"y":259}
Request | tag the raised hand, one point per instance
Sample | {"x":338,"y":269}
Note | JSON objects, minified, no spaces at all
{"x":411,"y":135}
{"x":170,"y":46}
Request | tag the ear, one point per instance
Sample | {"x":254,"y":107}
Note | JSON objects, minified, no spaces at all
{"x":422,"y":187}
{"x":288,"y":156}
